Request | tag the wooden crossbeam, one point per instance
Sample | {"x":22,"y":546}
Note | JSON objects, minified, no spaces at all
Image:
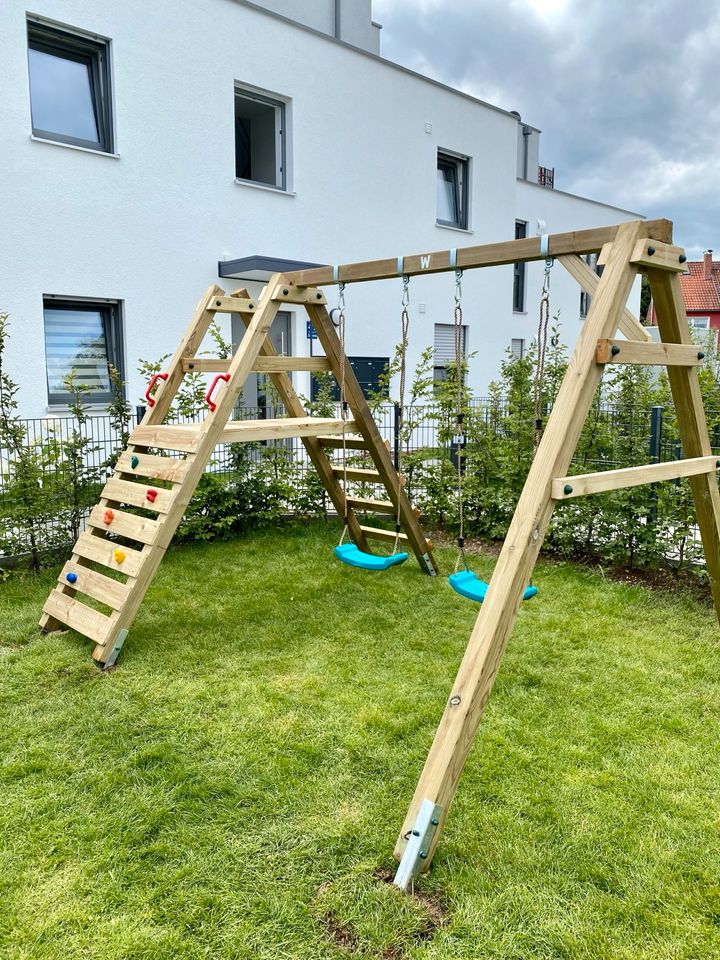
{"x":260,"y":365}
{"x":357,"y":473}
{"x":582,"y":484}
{"x":468,"y":258}
{"x":655,"y":354}
{"x":387,"y":536}
{"x":589,"y":280}
{"x":223,"y":304}
{"x":660,"y":256}
{"x":371,"y":506}
{"x":289,"y":293}
{"x":243,"y":431}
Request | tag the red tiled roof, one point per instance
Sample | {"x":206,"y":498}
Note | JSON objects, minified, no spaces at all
{"x":699,"y":293}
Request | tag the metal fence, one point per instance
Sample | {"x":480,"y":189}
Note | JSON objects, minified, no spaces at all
{"x":427,"y":428}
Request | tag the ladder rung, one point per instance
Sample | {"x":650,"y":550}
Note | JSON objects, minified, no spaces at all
{"x":76,"y":615}
{"x":657,"y":354}
{"x":183,"y":438}
{"x":352,"y":443}
{"x":357,"y":473}
{"x":156,"y":467}
{"x":129,"y":525}
{"x":565,"y":488}
{"x":136,"y":494}
{"x":260,"y":365}
{"x":371,"y":506}
{"x":231,"y":305}
{"x":102,"y":551}
{"x":239,"y":431}
{"x":95,"y":585}
{"x":376,"y":533}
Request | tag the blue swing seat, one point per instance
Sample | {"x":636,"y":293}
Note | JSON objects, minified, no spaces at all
{"x":467,"y":584}
{"x":350,"y":554}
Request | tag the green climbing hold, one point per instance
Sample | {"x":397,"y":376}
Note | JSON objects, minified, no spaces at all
{"x":567,"y":488}
{"x":134,"y":462}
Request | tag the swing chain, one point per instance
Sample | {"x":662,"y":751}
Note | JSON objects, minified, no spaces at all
{"x":541,"y":346}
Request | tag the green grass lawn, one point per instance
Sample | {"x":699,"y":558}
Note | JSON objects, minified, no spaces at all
{"x":234,"y":788}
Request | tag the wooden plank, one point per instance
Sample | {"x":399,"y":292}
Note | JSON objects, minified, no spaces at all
{"x":658,"y":256}
{"x":673,"y":325}
{"x":105,"y":589}
{"x":655,"y":354}
{"x":244,"y":431}
{"x":468,"y":258}
{"x":371,"y":506}
{"x":357,"y":473}
{"x":101,"y":550}
{"x":153,"y":466}
{"x":76,"y":615}
{"x":183,"y":438}
{"x":135,"y":495}
{"x":129,"y":525}
{"x":580,"y":485}
{"x":289,"y":293}
{"x":351,"y":443}
{"x":481,"y":662}
{"x":388,"y":536}
{"x":262,"y":365}
{"x":223,"y":304}
{"x":588,"y":280}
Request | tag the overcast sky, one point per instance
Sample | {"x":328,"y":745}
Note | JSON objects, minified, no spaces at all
{"x":626,"y":93}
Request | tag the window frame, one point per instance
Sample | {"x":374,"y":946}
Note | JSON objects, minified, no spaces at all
{"x":113,"y":333}
{"x":693,"y":326}
{"x":440,"y":368}
{"x":461,"y":165}
{"x":522,"y":350}
{"x":70,"y":44}
{"x":520,"y":271}
{"x":281,"y":107}
{"x":591,"y":259}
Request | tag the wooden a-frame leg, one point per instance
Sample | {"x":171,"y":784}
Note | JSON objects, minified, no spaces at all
{"x":487,"y":643}
{"x":673,"y":325}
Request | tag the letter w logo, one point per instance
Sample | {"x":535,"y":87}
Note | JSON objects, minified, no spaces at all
{"x":425,"y":261}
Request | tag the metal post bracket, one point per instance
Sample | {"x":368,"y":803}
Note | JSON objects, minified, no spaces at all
{"x":418,"y":844}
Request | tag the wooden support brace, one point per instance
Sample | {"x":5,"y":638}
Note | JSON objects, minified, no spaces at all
{"x":222,"y":304}
{"x":658,"y":256}
{"x":260,"y":365}
{"x":654,"y":354}
{"x":583,"y":484}
{"x":589,"y":280}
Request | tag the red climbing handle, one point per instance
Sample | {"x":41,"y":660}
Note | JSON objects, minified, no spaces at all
{"x":208,"y":395}
{"x":153,"y":380}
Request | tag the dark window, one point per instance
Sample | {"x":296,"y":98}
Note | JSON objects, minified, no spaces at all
{"x":85,"y":338}
{"x":69,"y":87}
{"x":519,"y":271}
{"x":452,"y":190}
{"x":591,"y":259}
{"x":259,"y":139}
{"x":368,"y":371}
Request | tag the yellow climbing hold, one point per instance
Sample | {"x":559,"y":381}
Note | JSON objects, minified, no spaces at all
{"x":119,"y":556}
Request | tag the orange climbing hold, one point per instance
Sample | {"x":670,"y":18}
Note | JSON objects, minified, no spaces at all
{"x":151,"y":494}
{"x":108,"y":517}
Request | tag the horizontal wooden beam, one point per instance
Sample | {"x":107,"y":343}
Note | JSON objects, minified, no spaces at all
{"x":588,"y":280}
{"x":660,"y":256}
{"x":260,"y":365}
{"x":244,"y":431}
{"x":289,"y":293}
{"x":231,"y":305}
{"x":566,"y":488}
{"x":469,"y":258}
{"x":376,"y":533}
{"x":352,"y":443}
{"x":655,"y":354}
{"x":372,"y":506}
{"x":167,"y":437}
{"x":357,"y":473}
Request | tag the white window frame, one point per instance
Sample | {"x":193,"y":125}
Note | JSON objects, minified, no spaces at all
{"x":281,"y":106}
{"x":517,"y":348}
{"x":695,"y":325}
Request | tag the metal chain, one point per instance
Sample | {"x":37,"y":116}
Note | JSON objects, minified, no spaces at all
{"x":541,"y":345}
{"x":459,"y":415}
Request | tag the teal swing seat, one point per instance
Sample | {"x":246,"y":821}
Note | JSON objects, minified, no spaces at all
{"x":354,"y":557}
{"x":469,"y":585}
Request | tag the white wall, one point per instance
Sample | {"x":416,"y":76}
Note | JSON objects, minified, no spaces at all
{"x":147,"y":227}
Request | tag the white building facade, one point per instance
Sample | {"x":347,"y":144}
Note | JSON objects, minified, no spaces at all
{"x":150,"y":150}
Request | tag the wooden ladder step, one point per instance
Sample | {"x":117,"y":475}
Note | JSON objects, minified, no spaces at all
{"x":376,"y":533}
{"x":136,"y":495}
{"x":73,"y":613}
{"x":260,"y":365}
{"x":352,"y":443}
{"x":371,"y":506}
{"x":656,"y":354}
{"x":357,"y":473}
{"x":129,"y":525}
{"x":103,"y":551}
{"x":95,"y":585}
{"x":150,"y":465}
{"x":184,"y":438}
{"x":565,"y":488}
{"x":243,"y":431}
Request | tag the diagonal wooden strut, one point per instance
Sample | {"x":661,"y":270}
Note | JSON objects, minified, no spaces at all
{"x":476,"y":676}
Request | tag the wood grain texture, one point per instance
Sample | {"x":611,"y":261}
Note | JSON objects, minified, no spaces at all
{"x":583,"y":484}
{"x":654,"y":354}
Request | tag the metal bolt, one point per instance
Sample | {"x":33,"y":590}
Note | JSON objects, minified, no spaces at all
{"x":615,"y":350}
{"x":567,"y":488}
{"x":218,"y":303}
{"x":285,"y":292}
{"x":454,"y":701}
{"x":318,"y":296}
{"x":191,"y":366}
{"x":682,"y":258}
{"x":423,"y":854}
{"x":717,"y":463}
{"x":416,"y":833}
{"x":251,"y":306}
{"x":701,"y":355}
{"x":435,"y":822}
{"x":651,"y":251}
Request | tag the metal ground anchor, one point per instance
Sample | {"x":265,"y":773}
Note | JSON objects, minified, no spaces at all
{"x":418,"y":844}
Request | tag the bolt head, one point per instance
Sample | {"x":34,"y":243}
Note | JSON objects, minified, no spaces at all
{"x":318,"y":296}
{"x":416,"y":833}
{"x":567,"y":488}
{"x":435,"y":822}
{"x":423,"y":854}
{"x":682,"y":258}
{"x":615,"y":350}
{"x":701,"y":355}
{"x":454,"y":701}
{"x":651,"y":251}
{"x":218,"y":303}
{"x":285,"y":292}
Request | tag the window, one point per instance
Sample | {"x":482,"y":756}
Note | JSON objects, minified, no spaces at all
{"x":519,"y":271}
{"x":260,"y":139}
{"x":368,"y":371}
{"x":699,"y":323}
{"x":452,"y":190}
{"x":84,"y":337}
{"x":444,"y":349}
{"x":69,"y":87}
{"x":591,"y":259}
{"x":517,"y":348}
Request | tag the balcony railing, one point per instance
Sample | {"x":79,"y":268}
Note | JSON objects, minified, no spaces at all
{"x":546,"y":176}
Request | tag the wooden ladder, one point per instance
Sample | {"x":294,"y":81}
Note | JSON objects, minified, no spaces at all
{"x":548,"y":483}
{"x":162,"y":485}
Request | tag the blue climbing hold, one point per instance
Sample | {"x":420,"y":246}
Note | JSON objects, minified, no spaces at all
{"x":134,"y":462}
{"x":467,"y":584}
{"x":71,"y":577}
{"x":350,"y":554}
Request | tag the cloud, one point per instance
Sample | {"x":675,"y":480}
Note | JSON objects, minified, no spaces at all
{"x":626,"y":93}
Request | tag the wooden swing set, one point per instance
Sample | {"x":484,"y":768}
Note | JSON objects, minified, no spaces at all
{"x":133,"y":544}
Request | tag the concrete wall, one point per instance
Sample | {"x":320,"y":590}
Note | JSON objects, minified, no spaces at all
{"x":348,"y":20}
{"x":148,"y":225}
